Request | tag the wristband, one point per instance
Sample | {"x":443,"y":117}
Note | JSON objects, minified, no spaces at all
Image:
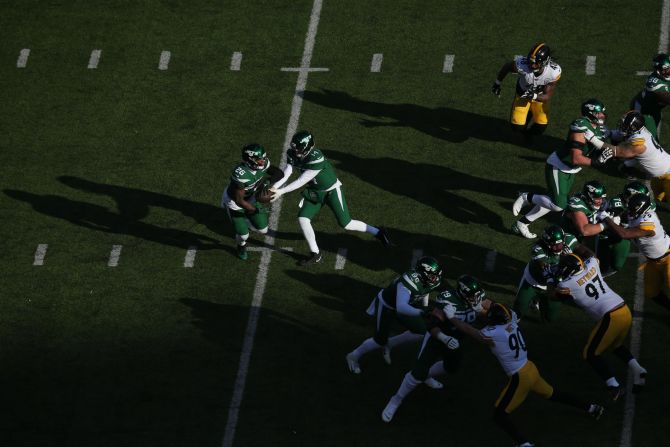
{"x":596,"y":143}
{"x":602,"y":227}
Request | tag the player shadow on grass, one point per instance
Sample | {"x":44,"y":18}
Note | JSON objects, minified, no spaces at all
{"x":432,"y":185}
{"x":445,"y":123}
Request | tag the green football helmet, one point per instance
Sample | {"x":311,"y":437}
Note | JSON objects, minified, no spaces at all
{"x":594,"y":110}
{"x":302,"y":143}
{"x":429,"y":270}
{"x":632,"y":188}
{"x":470,"y":290}
{"x":662,"y":66}
{"x":595,"y":193}
{"x":254,"y":156}
{"x":553,"y":238}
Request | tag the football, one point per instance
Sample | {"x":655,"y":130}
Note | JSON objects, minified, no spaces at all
{"x":264,"y":195}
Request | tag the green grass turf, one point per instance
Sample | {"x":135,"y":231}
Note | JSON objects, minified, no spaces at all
{"x":146,"y":353}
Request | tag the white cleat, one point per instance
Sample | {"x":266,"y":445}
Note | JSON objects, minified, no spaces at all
{"x":433,"y":383}
{"x":390,"y":409}
{"x":386,"y":352}
{"x":521,"y":228}
{"x":352,"y":363}
{"x":519,"y":203}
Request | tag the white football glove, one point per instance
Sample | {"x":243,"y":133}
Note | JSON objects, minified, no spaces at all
{"x":602,"y":215}
{"x":449,"y":310}
{"x":449,"y":341}
{"x":276,"y":193}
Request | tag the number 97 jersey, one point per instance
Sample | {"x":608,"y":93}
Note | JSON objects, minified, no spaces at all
{"x":590,"y":291}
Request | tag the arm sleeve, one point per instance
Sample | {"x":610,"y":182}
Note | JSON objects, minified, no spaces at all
{"x":402,"y":302}
{"x":301,"y":181}
{"x":288,"y":170}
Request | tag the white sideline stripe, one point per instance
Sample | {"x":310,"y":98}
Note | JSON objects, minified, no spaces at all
{"x":164,"y":60}
{"x":40,"y":253}
{"x":236,"y":61}
{"x":189,"y":259}
{"x":448,"y":66}
{"x":635,"y":342}
{"x":266,"y":255}
{"x":311,"y":70}
{"x":22,"y":61}
{"x":490,"y":263}
{"x":642,"y":73}
{"x":114,"y":255}
{"x":665,"y":27}
{"x":94,"y":59}
{"x":341,"y":259}
{"x":416,"y":254}
{"x":376,"y":65}
{"x":590,"y":65}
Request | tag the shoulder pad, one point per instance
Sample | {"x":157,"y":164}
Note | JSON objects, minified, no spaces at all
{"x":581,"y":124}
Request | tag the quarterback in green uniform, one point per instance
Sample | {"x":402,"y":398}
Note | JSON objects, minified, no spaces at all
{"x":440,"y":351}
{"x":238,"y":197}
{"x":584,"y":146}
{"x":404,"y":301}
{"x":655,"y":95}
{"x":538,"y":271}
{"x":322,"y":188}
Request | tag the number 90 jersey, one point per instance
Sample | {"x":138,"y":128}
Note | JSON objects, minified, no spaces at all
{"x":654,"y":161}
{"x":509,"y":345}
{"x":589,"y":291}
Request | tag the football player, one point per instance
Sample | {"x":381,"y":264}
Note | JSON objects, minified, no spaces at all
{"x":322,"y":188}
{"x":645,"y":228}
{"x":584,"y":214}
{"x":583,"y":147}
{"x":440,"y":351}
{"x":538,"y":271}
{"x":643,"y":153}
{"x":651,"y":100}
{"x":580,"y":282}
{"x":239,"y":196}
{"x":503,"y":336}
{"x":535,"y":86}
{"x":404,"y":301}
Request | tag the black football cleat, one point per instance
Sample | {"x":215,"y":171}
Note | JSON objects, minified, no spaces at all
{"x":315,"y":258}
{"x":383,"y":236}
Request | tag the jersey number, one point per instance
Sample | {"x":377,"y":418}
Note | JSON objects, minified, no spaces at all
{"x":516,"y":343}
{"x":591,"y":289}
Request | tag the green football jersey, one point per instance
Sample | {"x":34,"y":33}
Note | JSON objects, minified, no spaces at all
{"x":412,"y":281}
{"x":649,"y":104}
{"x":246,"y":178}
{"x":542,"y":259}
{"x":315,"y":161}
{"x":463,"y":310}
{"x":577,"y":203}
{"x":580,"y":125}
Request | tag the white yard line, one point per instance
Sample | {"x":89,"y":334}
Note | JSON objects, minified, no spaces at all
{"x":301,"y":69}
{"x":416,"y":254}
{"x":189,"y":259}
{"x":22,"y":61}
{"x":94,"y":59}
{"x":448,"y":66}
{"x":114,"y":255}
{"x":376,"y":65}
{"x":642,"y":73}
{"x":266,"y":255}
{"x":665,"y":27}
{"x":590,"y":65}
{"x":490,"y":262}
{"x":164,"y":61}
{"x":40,"y":253}
{"x":341,"y":259}
{"x":236,"y":61}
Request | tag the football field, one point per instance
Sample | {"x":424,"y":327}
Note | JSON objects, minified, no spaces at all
{"x":127,"y":319}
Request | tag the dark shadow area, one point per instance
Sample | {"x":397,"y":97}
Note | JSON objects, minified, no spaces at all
{"x":444,"y":123}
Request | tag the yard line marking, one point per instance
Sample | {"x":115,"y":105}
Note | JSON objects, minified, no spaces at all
{"x":266,"y":255}
{"x":643,"y":73}
{"x":376,"y":65}
{"x":448,"y":66}
{"x":416,"y":254}
{"x":22,"y":61}
{"x":94,"y":59}
{"x":189,"y":259}
{"x":635,"y":342}
{"x":279,"y":249}
{"x":114,"y":256}
{"x":341,"y":259}
{"x":236,"y":61}
{"x":164,"y":60}
{"x":40,"y":253}
{"x":310,"y":70}
{"x":590,"y":65}
{"x":665,"y":26}
{"x":490,"y":262}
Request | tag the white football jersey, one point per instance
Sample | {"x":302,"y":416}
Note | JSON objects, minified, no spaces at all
{"x":657,"y":245}
{"x":590,"y":291}
{"x":528,"y":79}
{"x":509,"y":345}
{"x":654,"y":161}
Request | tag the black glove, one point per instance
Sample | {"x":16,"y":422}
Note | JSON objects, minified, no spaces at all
{"x":495,"y":89}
